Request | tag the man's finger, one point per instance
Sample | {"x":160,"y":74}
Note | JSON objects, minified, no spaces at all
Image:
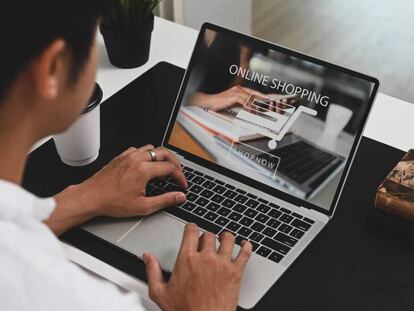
{"x":158,"y":202}
{"x":226,"y":244}
{"x":154,"y":274}
{"x":244,"y":254}
{"x":165,"y":155}
{"x":208,"y":242}
{"x":126,"y":152}
{"x":256,"y":93}
{"x":145,"y":148}
{"x":189,"y":242}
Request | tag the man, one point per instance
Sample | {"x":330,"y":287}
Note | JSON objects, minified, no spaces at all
{"x":48,"y":62}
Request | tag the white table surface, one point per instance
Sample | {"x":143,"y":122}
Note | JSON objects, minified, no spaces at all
{"x":390,"y":122}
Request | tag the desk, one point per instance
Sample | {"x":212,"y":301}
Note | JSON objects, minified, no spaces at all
{"x":389,"y":120}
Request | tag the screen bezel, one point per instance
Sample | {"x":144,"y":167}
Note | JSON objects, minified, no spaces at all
{"x":246,"y":180}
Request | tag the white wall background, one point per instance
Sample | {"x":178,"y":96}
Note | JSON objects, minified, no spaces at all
{"x":234,"y":14}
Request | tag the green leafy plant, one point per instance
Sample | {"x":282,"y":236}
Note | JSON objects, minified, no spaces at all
{"x":130,"y":14}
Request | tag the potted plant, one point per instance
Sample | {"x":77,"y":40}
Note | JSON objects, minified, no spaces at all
{"x":127,"y":30}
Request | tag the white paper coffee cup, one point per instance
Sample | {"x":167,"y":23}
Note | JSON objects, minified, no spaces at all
{"x":79,"y":145}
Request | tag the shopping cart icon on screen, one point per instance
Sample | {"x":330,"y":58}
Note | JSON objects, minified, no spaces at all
{"x":271,"y":118}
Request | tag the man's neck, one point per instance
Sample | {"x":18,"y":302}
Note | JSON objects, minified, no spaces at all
{"x":16,"y":140}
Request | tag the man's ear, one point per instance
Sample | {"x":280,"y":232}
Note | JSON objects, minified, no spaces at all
{"x":49,"y":68}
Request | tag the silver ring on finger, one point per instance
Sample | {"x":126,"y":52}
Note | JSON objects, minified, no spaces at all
{"x":152,"y":154}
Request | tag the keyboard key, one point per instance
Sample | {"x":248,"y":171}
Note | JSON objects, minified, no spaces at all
{"x":243,"y":231}
{"x":240,"y":198}
{"x":246,"y":221}
{"x":186,"y":216}
{"x":218,"y":181}
{"x":229,"y":186}
{"x":235,"y":216}
{"x":274,"y":205}
{"x":255,"y":236}
{"x":297,"y":215}
{"x":286,"y":218}
{"x":296,"y":233}
{"x":239,"y":208}
{"x":209,"y":184}
{"x":213,"y":206}
{"x":274,"y":213}
{"x":263,"y":208}
{"x":198,"y":180}
{"x":251,"y":196}
{"x":285,"y":228}
{"x":160,"y":183}
{"x":232,"y":226}
{"x":221,"y":221}
{"x":257,"y":226}
{"x":206,"y":193}
{"x":223,"y":211}
{"x":228,"y":203}
{"x":217,"y":198}
{"x":239,"y":239}
{"x":250,"y":213}
{"x":219,"y":189}
{"x":276,"y":257}
{"x":240,"y":191}
{"x":309,"y":220}
{"x":263,"y":200}
{"x":285,"y":210}
{"x":285,"y":239}
{"x":230,"y":194}
{"x":189,"y":169}
{"x":191,"y":196}
{"x":252,"y":203}
{"x":276,"y":246}
{"x":273,"y":223}
{"x":255,"y":246}
{"x":201,"y":201}
{"x":263,"y":251}
{"x":208,"y":177}
{"x":198,"y":173}
{"x":211,"y":216}
{"x":269,"y":232}
{"x":196,"y":188}
{"x":304,"y":226}
{"x":170,"y":187}
{"x":188,"y":206}
{"x":200,"y":211}
{"x":262,"y":218}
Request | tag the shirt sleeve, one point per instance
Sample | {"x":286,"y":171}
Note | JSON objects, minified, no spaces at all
{"x":35,"y":275}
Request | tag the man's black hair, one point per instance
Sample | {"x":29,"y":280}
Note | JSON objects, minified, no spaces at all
{"x":28,"y":27}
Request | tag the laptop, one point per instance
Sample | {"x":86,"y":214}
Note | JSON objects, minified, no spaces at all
{"x":225,"y":192}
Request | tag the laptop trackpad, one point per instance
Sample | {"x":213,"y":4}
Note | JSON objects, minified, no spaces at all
{"x":160,"y":235}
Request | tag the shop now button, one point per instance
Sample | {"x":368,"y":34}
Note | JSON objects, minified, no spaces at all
{"x":253,"y":158}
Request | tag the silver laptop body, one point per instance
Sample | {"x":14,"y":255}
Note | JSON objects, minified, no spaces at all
{"x":161,"y":233}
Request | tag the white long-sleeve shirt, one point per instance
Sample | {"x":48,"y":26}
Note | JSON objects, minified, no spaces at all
{"x":34,"y":273}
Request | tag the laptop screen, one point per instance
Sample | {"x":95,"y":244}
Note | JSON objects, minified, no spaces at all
{"x":275,"y":116}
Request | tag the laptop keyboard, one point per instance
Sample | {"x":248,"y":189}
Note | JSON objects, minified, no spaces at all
{"x":217,"y":206}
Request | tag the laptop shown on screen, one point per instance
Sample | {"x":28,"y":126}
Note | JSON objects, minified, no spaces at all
{"x":266,"y":137}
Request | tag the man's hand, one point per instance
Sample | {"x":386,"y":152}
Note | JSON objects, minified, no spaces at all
{"x":118,"y":190}
{"x":203,"y":279}
{"x":237,"y":95}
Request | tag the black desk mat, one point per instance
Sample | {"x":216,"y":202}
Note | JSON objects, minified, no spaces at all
{"x":363,"y":260}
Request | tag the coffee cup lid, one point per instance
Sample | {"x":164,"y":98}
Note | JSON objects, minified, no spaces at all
{"x":95,"y":99}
